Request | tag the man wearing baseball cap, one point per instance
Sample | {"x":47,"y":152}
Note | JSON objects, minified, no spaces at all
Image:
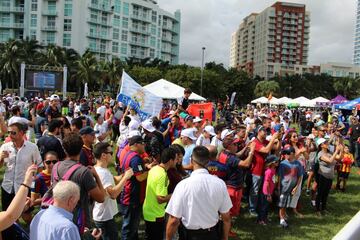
{"x":86,"y":154}
{"x":132,"y":196}
{"x":262,"y":149}
{"x":187,"y":141}
{"x":152,"y":145}
{"x":235,"y":171}
{"x":52,"y":110}
{"x":205,"y":138}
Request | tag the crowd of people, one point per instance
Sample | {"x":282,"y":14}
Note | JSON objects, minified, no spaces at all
{"x":185,"y":176}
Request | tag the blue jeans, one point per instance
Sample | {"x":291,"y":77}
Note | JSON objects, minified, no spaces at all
{"x":254,"y":192}
{"x":263,"y":208}
{"x":131,"y":220}
{"x":109,"y":229}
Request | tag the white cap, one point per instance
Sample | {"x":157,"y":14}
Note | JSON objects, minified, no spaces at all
{"x":54,"y":97}
{"x":226,"y":133}
{"x":188,"y":132}
{"x":147,"y":125}
{"x":134,"y":125}
{"x":134,"y":133}
{"x":320,"y":141}
{"x":307,"y":116}
{"x":197,"y":119}
{"x":210,"y":129}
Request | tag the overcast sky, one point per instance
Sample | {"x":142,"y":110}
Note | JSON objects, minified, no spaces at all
{"x":209,"y":23}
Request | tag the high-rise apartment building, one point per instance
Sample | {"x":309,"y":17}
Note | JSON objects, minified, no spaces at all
{"x":356,"y":59}
{"x":122,"y":28}
{"x":273,"y":42}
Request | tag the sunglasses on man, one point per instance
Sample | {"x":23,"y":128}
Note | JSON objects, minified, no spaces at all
{"x":12,"y":133}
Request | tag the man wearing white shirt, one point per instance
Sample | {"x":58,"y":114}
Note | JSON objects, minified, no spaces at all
{"x":197,"y":202}
{"x":17,"y":156}
{"x":103,"y":213}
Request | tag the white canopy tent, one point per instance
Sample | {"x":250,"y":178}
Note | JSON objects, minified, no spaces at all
{"x":300,"y":100}
{"x":261,"y":100}
{"x":282,"y":101}
{"x":273,"y":100}
{"x":168,"y":90}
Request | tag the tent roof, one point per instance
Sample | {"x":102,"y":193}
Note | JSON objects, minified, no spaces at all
{"x":300,"y":100}
{"x":349,"y":105}
{"x":168,"y":90}
{"x":338,"y":99}
{"x":260,"y":100}
{"x":320,"y":100}
{"x":282,"y":101}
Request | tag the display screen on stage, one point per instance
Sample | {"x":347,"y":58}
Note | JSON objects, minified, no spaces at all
{"x":43,"y":80}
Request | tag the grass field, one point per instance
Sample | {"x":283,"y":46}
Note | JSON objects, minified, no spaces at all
{"x":342,"y":207}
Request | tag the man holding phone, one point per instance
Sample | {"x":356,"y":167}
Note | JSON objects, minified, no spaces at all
{"x":17,"y":156}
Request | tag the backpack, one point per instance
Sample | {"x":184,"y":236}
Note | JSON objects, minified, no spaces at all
{"x":48,"y":199}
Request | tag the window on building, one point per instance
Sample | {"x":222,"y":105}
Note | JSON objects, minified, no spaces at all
{"x":124,"y":48}
{"x":152,"y":41}
{"x":67,"y":25}
{"x":104,"y":18}
{"x":33,"y":5}
{"x":124,"y":35}
{"x":92,"y":44}
{"x":115,"y":47}
{"x":125,"y":22}
{"x":117,"y":6}
{"x":50,"y":38}
{"x":5,"y":18}
{"x":103,"y":46}
{"x":133,"y":51}
{"x":126,"y":9}
{"x":67,"y":40}
{"x":68,"y":9}
{"x":152,"y":53}
{"x":4,"y":35}
{"x":116,"y":33}
{"x":52,"y":6}
{"x":117,"y":20}
{"x":153,"y":16}
{"x":153,"y":29}
{"x":33,"y":21}
{"x":33,"y":34}
{"x":51,"y":22}
{"x":5,"y":4}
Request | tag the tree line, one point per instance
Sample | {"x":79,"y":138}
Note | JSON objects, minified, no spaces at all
{"x":218,"y":81}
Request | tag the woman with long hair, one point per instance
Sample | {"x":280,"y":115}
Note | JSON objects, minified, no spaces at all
{"x":326,"y":173}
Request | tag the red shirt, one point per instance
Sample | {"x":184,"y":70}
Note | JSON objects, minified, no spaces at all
{"x":257,"y":167}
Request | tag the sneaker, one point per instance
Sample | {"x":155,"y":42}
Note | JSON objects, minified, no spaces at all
{"x":283,"y":223}
{"x":263,"y":223}
{"x":313,"y":203}
{"x":253,"y":214}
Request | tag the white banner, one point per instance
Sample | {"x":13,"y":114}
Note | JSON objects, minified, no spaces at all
{"x":144,"y":102}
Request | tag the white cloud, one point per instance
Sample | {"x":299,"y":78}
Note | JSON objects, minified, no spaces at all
{"x":210,"y":23}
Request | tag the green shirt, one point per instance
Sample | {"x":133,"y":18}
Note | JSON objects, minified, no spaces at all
{"x":157,"y":184}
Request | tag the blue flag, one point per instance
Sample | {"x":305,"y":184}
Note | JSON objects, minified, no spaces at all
{"x":144,"y":102}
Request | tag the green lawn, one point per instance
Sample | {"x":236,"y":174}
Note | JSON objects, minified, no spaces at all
{"x":342,"y":207}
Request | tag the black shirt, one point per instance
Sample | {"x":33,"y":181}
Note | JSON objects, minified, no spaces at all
{"x":50,"y":143}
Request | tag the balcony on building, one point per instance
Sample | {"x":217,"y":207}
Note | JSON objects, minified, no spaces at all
{"x":101,"y":7}
{"x":98,"y":36}
{"x":49,"y":28}
{"x":12,"y":25}
{"x":98,"y":22}
{"x":140,"y":17}
{"x":49,"y":13}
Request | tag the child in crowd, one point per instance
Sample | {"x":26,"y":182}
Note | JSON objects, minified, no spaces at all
{"x":271,"y":162}
{"x":289,"y":182}
{"x":345,"y":168}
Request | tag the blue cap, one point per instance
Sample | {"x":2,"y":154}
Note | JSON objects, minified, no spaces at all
{"x":87,"y":130}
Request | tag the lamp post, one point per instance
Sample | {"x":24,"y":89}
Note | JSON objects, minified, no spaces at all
{"x":202,"y":71}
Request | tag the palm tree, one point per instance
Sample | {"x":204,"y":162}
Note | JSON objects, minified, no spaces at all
{"x":10,"y":60}
{"x":115,"y":68}
{"x":53,"y":56}
{"x":30,"y":50}
{"x":86,"y":72}
{"x":347,"y":86}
